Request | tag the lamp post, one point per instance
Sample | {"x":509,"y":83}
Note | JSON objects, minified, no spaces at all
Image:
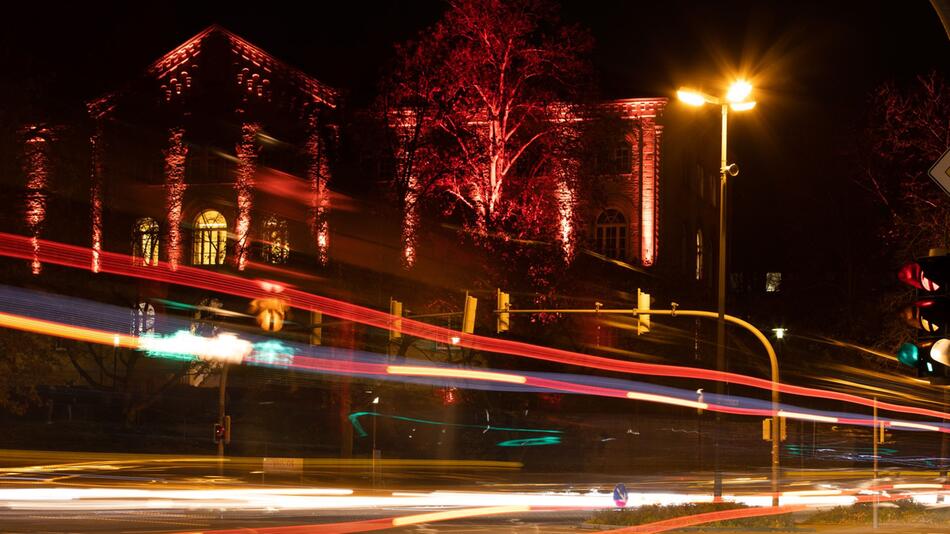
{"x":736,"y":98}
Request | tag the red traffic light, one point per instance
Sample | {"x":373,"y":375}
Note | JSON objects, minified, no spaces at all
{"x":913,"y":274}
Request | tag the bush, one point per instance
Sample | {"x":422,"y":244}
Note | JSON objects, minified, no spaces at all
{"x":902,"y":511}
{"x":654,"y":512}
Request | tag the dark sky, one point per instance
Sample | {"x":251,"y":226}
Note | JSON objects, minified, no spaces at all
{"x":813,"y":63}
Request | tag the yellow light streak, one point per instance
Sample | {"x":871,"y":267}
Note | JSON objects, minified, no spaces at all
{"x":409,"y":370}
{"x":649,"y":397}
{"x":457,"y":514}
{"x":807,"y":417}
{"x":918,"y":426}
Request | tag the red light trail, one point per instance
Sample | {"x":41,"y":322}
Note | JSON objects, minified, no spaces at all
{"x":73,"y":256}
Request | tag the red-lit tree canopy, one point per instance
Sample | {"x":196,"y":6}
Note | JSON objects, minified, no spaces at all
{"x":907,"y":132}
{"x":481,"y":104}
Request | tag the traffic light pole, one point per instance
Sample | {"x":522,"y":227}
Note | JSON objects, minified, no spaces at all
{"x":773,"y":361}
{"x":222,"y":390}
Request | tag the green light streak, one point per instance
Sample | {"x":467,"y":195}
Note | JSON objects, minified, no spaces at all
{"x":531,"y":442}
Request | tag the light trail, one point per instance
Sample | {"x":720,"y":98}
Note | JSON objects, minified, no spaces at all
{"x":917,"y":426}
{"x":229,"y":347}
{"x":807,"y":417}
{"x":458,"y":514}
{"x":49,"y":328}
{"x":110,"y":262}
{"x":667,"y":400}
{"x":454,"y":373}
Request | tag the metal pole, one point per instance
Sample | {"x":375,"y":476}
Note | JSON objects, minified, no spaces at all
{"x":222,"y":387}
{"x":874,"y":435}
{"x":943,"y":446}
{"x":373,"y":462}
{"x":721,"y":306}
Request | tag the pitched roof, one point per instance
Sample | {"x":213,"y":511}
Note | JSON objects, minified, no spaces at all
{"x":183,"y":55}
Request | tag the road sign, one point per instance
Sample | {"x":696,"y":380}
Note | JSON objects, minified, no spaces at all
{"x":940,"y":172}
{"x":620,"y":495}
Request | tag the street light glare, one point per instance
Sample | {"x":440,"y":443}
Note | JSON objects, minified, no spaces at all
{"x":739,"y":91}
{"x":742,"y":106}
{"x":690,"y":97}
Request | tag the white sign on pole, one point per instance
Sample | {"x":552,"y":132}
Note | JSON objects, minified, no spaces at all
{"x":940,"y":172}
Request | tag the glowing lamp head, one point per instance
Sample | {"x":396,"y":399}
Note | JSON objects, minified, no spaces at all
{"x":739,"y":91}
{"x":908,"y":354}
{"x":742,"y":106}
{"x":780,"y":332}
{"x":690,"y":97}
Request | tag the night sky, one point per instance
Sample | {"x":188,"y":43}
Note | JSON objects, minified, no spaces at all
{"x":813,"y":63}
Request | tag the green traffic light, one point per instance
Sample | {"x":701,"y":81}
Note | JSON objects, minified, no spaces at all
{"x":908,"y":354}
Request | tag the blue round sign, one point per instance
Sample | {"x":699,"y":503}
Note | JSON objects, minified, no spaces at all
{"x":620,"y":495}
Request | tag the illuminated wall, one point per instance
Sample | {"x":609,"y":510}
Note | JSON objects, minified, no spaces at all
{"x":247,"y":152}
{"x":175,"y":155}
{"x":36,"y":169}
{"x":642,"y":186}
{"x":317,"y":175}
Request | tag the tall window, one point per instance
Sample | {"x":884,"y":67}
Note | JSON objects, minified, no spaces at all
{"x":611,"y":234}
{"x":699,"y":254}
{"x":275,"y":240}
{"x":145,"y":241}
{"x":210,"y":238}
{"x":621,"y":160}
{"x":143,"y":319}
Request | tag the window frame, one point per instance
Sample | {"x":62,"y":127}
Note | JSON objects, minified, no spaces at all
{"x":610,"y":234}
{"x":146,"y":238}
{"x":209,"y":239}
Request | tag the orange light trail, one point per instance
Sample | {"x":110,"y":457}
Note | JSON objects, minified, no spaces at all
{"x":38,"y":326}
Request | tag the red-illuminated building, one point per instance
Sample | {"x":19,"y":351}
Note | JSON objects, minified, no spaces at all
{"x":222,"y":156}
{"x":227,"y":151}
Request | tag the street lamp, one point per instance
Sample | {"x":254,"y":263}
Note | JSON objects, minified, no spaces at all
{"x":738,"y":99}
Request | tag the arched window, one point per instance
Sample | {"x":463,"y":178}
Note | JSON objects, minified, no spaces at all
{"x":145,"y":241}
{"x":275,"y":241}
{"x":699,"y":254}
{"x":611,"y":234}
{"x":143,"y":319}
{"x":210,"y":238}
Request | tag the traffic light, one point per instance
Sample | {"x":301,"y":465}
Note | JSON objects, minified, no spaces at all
{"x":503,"y":304}
{"x":395,"y":329}
{"x":270,"y":312}
{"x":929,"y":315}
{"x":643,"y":319}
{"x":316,"y":328}
{"x":468,"y":314}
{"x":222,"y":431}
